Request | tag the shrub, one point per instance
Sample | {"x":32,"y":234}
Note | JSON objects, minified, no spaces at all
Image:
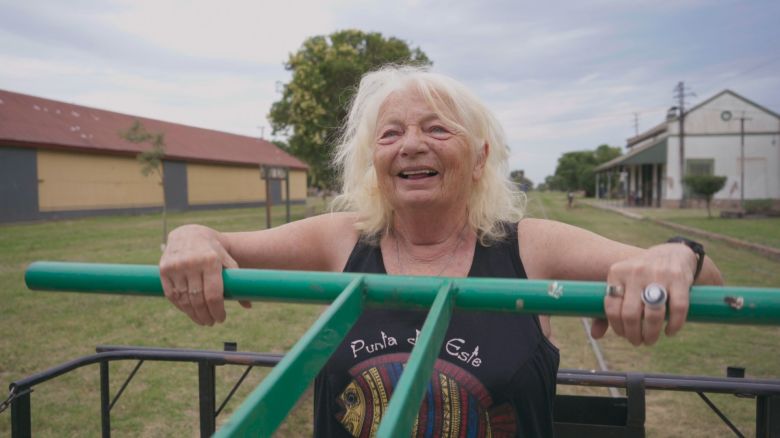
{"x":706,"y":186}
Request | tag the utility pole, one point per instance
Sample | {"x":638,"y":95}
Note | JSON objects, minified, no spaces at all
{"x":742,"y":161}
{"x":680,"y":94}
{"x":636,"y":124}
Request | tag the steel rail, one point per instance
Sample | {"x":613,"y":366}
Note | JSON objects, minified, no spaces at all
{"x":731,"y":305}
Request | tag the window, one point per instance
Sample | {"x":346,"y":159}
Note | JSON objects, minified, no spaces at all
{"x":699,"y":166}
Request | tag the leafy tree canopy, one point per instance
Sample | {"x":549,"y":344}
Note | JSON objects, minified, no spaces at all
{"x":575,"y":169}
{"x":522,"y":181}
{"x":325,"y":73}
{"x":705,"y":186}
{"x":150,"y":159}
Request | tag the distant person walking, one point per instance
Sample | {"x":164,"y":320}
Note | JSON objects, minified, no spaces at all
{"x":570,"y":197}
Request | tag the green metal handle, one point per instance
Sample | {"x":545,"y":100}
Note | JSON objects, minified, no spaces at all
{"x":731,"y":305}
{"x":270,"y":402}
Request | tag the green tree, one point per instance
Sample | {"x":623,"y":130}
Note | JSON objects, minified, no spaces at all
{"x":325,"y":73}
{"x":551,"y":182}
{"x":705,"y":186}
{"x":151,"y":162}
{"x":519,"y":178}
{"x":575,"y":169}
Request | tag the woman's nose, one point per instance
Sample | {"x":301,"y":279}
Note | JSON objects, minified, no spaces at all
{"x":413,"y":141}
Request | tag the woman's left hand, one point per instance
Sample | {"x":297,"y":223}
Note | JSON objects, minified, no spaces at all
{"x":670,"y":265}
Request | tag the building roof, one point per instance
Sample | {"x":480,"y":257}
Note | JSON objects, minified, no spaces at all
{"x":652,"y":132}
{"x":29,"y":121}
{"x":651,"y":153}
{"x":655,"y":151}
{"x":727,"y":91}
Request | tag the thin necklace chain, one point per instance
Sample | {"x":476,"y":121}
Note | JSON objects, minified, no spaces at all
{"x":446,"y":265}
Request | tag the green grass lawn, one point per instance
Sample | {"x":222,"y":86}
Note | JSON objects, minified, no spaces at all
{"x":43,"y":329}
{"x":762,"y":230}
{"x":765,"y":231}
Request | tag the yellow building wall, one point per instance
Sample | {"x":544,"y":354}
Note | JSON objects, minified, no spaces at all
{"x":77,"y":181}
{"x":297,"y":185}
{"x":217,"y":184}
{"x":221,"y":184}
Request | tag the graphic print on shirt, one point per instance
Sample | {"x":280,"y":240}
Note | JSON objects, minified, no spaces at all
{"x":456,"y":404}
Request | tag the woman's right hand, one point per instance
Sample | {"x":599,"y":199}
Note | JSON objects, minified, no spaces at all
{"x":191,"y":273}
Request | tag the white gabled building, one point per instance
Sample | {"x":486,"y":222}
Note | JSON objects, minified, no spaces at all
{"x":648,"y":174}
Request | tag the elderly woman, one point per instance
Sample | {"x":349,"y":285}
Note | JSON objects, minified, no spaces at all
{"x":425,"y":192}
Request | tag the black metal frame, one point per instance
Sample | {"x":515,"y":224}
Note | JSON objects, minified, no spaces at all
{"x":617,"y":417}
{"x":207,"y":362}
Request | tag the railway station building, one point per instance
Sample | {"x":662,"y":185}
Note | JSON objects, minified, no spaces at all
{"x":726,"y":135}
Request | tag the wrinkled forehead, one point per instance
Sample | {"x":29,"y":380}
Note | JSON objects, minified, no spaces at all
{"x":416,"y":101}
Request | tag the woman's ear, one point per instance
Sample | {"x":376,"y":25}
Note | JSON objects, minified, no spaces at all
{"x":481,"y":161}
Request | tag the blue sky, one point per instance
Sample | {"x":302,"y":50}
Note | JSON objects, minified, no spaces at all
{"x":561,"y":76}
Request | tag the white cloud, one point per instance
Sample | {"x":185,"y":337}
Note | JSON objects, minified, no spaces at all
{"x":261,"y":31}
{"x":27,"y":68}
{"x":559,"y":77}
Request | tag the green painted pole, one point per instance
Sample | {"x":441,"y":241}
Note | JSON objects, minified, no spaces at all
{"x":268,"y":405}
{"x":730,"y":305}
{"x":408,"y":394}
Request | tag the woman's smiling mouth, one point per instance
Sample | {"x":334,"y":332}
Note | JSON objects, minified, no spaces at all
{"x":417,"y":174}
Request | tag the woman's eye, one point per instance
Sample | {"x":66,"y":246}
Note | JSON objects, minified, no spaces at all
{"x":390,"y":133}
{"x":389,"y":136}
{"x":439,"y":131}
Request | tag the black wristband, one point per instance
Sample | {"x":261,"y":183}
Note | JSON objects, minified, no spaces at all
{"x":697,"y":249}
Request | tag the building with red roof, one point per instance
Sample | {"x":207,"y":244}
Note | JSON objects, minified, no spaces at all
{"x":63,"y":160}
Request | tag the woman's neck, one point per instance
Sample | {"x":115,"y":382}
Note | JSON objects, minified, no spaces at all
{"x":429,"y":245}
{"x":429,"y":238}
{"x":429,"y":228}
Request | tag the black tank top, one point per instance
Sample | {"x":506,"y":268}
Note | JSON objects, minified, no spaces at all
{"x":495,"y":375}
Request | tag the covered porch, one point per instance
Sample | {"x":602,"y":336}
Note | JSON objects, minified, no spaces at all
{"x":636,"y":178}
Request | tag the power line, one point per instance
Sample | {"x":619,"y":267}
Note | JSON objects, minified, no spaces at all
{"x":744,"y":72}
{"x":582,"y":119}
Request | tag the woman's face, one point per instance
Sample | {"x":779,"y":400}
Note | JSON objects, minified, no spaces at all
{"x":420,"y":160}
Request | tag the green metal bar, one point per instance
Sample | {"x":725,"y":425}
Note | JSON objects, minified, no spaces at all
{"x":408,"y":394}
{"x":731,"y":305}
{"x":268,"y":405}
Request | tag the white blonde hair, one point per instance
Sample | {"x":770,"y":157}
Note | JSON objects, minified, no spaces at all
{"x":495,"y":198}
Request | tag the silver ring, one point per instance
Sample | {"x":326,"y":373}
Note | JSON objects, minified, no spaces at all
{"x":195,"y":291}
{"x":615,"y":290}
{"x":654,"y":296}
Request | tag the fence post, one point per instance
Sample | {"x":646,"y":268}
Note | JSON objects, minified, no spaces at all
{"x":207,"y":398}
{"x":635,"y":398}
{"x":105,"y":403}
{"x":767,"y":416}
{"x":20,"y":417}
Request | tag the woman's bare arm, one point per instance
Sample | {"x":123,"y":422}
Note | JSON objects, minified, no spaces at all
{"x":191,"y":266}
{"x":555,"y":250}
